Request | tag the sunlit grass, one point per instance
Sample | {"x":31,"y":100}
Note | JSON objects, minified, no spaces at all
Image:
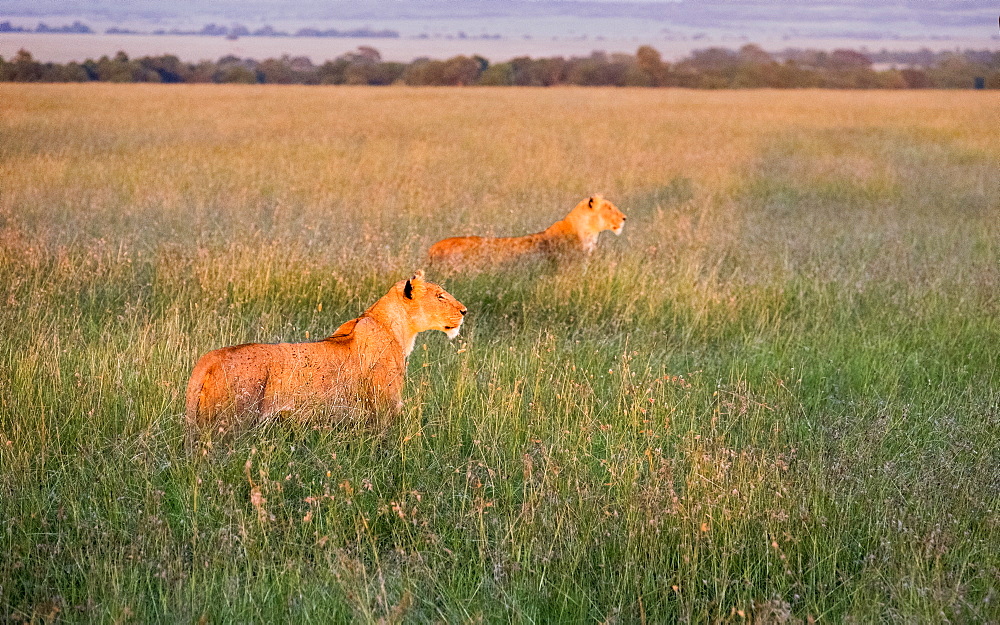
{"x":774,"y":396}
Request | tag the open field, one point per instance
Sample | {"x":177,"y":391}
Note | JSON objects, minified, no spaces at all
{"x":775,"y":397}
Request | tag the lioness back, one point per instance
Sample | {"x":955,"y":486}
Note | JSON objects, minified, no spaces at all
{"x":485,"y":249}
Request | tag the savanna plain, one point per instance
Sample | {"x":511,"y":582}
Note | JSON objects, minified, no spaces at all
{"x":774,"y":398}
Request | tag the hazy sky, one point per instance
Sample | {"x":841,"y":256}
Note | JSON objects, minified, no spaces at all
{"x":943,"y":12}
{"x":505,"y":28}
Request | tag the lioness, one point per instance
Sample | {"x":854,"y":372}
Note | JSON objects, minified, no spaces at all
{"x":359,"y":367}
{"x":577,"y":232}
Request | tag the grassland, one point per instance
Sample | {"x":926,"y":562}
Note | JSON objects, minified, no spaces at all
{"x":774,"y":398}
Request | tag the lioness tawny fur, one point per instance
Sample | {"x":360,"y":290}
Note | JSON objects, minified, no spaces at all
{"x":575,"y":233}
{"x":360,"y":367}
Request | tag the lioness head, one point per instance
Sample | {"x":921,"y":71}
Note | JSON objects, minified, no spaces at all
{"x":430,"y":307}
{"x":599,"y":214}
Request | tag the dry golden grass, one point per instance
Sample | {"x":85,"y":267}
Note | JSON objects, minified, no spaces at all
{"x":774,"y":397}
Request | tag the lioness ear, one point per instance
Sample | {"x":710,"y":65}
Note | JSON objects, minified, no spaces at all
{"x":590,"y":204}
{"x":415,"y":281}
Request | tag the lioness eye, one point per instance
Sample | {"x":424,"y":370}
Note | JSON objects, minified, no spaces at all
{"x":440,"y":295}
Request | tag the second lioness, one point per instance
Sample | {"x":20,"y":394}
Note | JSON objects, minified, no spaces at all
{"x":577,"y":232}
{"x":358,"y":370}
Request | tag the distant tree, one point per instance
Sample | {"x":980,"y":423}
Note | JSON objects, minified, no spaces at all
{"x":549,"y":72}
{"x":753,"y":54}
{"x":847,"y":60}
{"x":890,"y":79}
{"x":634,"y":76}
{"x":620,"y":68}
{"x":24,"y":68}
{"x":429,"y":72}
{"x":805,"y":59}
{"x":456,"y":71}
{"x":714,"y":60}
{"x":525,"y":72}
{"x":598,"y":69}
{"x":361,"y":67}
{"x":756,"y":75}
{"x":376,"y":74}
{"x":422,"y":71}
{"x":684,"y":76}
{"x":120,"y":68}
{"x":202,"y":72}
{"x":791,"y":74}
{"x":711,"y":68}
{"x":235,"y":73}
{"x":649,"y":62}
{"x":286,"y":70}
{"x":368,"y":53}
{"x":915,"y":78}
{"x":713,"y":81}
{"x":497,"y":75}
{"x":954,"y":71}
{"x":169,"y":68}
{"x":71,"y":72}
{"x":586,"y":71}
{"x":390,"y":73}
{"x":461,"y":70}
{"x":333,"y":72}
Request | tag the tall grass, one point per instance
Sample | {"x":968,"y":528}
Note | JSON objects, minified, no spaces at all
{"x":774,"y":398}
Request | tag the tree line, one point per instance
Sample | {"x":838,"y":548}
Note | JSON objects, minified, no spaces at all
{"x":712,"y":68}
